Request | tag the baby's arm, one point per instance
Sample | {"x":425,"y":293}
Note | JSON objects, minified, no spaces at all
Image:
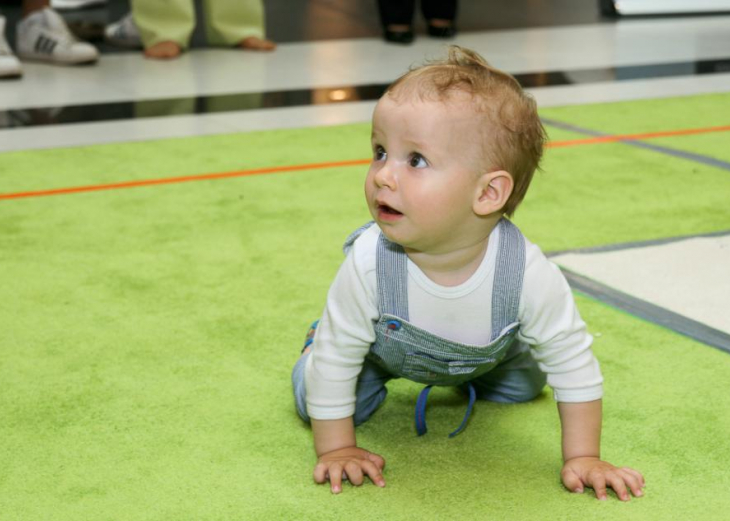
{"x":582,"y":466}
{"x":343,"y":339}
{"x":339,"y":456}
{"x":549,"y":320}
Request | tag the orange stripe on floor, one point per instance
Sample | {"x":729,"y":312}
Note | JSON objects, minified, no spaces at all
{"x":630,"y":137}
{"x":336,"y":164}
{"x":183,"y":179}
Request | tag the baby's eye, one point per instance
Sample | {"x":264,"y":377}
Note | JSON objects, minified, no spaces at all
{"x":380,"y":153}
{"x":418,"y":161}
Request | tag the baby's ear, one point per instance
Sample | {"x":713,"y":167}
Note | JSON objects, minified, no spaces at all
{"x":494,"y":190}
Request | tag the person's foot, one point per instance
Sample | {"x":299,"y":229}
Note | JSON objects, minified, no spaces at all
{"x":124,"y":33}
{"x":163,"y":51}
{"x":402,"y":34}
{"x":9,"y":65}
{"x":252,"y":43}
{"x":439,"y":28}
{"x":44,"y":36}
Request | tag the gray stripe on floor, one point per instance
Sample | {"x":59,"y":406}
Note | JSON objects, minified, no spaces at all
{"x":697,"y":158}
{"x":642,"y":309}
{"x":637,"y":244}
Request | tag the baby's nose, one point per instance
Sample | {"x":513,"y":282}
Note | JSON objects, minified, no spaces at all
{"x":385,"y":176}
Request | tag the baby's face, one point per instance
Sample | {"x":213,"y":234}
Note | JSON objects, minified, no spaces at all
{"x":422,"y":182}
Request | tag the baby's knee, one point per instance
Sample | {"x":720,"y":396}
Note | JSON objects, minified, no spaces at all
{"x":531,"y":387}
{"x":514,"y":386}
{"x":366,"y":406}
{"x":300,"y":390}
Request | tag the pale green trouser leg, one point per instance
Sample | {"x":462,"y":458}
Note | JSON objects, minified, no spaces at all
{"x":228,"y":22}
{"x":164,"y":21}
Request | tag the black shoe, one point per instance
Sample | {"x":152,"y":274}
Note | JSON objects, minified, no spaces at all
{"x":442,"y":32}
{"x":401,"y":37}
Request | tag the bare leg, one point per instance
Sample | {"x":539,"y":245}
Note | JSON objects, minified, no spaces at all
{"x":438,"y":22}
{"x":398,"y":28}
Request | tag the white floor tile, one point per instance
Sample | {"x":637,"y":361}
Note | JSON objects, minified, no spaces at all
{"x":689,"y":277}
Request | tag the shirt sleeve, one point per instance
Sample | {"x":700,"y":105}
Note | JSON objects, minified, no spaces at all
{"x":344,"y":334}
{"x":560,"y":341}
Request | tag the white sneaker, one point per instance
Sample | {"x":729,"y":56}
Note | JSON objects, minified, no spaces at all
{"x":123,"y":33}
{"x":44,"y":36}
{"x":75,"y":4}
{"x":9,"y":64}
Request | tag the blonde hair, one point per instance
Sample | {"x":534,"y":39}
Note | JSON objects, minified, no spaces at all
{"x":515,"y":138}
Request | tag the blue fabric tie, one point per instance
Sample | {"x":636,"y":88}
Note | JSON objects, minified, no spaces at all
{"x":421,"y":427}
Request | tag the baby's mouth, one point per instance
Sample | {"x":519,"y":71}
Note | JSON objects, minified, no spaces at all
{"x":384,"y":208}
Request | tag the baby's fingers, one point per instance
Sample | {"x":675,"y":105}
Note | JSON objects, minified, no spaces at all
{"x":378,"y":460}
{"x":572,"y":481}
{"x":617,"y":484}
{"x":335,"y":475}
{"x":636,"y":474}
{"x":320,"y":473}
{"x":354,"y":473}
{"x":598,"y":482}
{"x":373,"y":471}
{"x":634,"y":483}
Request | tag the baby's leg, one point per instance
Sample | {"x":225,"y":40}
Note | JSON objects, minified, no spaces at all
{"x":300,"y":391}
{"x":516,"y":379}
{"x":370,"y":391}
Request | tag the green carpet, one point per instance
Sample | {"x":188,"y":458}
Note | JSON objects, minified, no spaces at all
{"x":148,"y":334}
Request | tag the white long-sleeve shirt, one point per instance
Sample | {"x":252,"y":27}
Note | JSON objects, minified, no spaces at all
{"x":549,"y":323}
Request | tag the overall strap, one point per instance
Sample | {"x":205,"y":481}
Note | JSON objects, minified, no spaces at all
{"x":354,"y":235}
{"x":392,"y":276}
{"x":508,"y":276}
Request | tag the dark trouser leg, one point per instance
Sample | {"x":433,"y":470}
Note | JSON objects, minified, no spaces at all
{"x":396,"y":12}
{"x":370,"y":391}
{"x":439,"y":9}
{"x":516,"y":379}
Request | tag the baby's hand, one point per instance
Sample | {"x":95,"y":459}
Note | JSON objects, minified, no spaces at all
{"x":597,"y":474}
{"x":352,"y":463}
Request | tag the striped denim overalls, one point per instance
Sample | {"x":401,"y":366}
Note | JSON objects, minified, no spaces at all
{"x":404,"y":350}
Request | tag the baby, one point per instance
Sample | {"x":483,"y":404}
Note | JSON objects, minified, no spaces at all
{"x":442,"y":288}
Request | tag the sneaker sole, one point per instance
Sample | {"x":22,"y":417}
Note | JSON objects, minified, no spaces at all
{"x":71,"y":6}
{"x":44,"y":59}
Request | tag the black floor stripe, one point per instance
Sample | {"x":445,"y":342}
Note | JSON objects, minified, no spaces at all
{"x":640,"y":308}
{"x":647,"y":311}
{"x":637,"y":244}
{"x":38,"y":116}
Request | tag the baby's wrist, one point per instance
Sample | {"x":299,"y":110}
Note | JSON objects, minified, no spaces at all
{"x":585,"y":457}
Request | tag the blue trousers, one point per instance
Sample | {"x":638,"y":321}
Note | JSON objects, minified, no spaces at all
{"x":516,"y":379}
